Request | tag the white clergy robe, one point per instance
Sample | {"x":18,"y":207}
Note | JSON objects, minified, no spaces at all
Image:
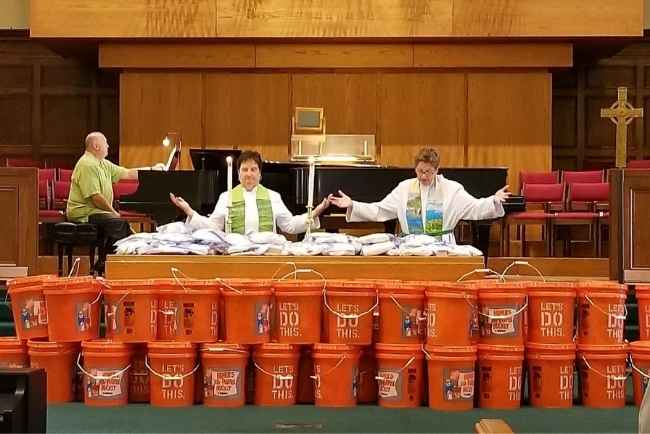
{"x":453,"y":201}
{"x":282,"y":217}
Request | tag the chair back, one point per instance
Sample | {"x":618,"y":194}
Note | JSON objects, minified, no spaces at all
{"x":549,"y":195}
{"x":638,"y":164}
{"x":588,"y":196}
{"x":537,"y":178}
{"x":65,"y":175}
{"x":585,"y":176}
{"x":61,"y":193}
{"x":23,"y":162}
{"x":47,"y":175}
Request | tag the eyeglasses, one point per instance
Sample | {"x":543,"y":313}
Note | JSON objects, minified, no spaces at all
{"x":429,"y":172}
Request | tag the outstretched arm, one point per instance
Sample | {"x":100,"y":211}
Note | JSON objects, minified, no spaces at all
{"x":386,"y":209}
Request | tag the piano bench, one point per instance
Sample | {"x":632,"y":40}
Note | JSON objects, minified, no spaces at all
{"x":68,"y":235}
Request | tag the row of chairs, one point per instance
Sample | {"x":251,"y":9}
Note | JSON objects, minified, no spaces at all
{"x":557,"y":202}
{"x":55,"y":161}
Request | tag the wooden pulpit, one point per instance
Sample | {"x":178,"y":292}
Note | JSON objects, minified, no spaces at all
{"x":629,"y":233}
{"x":19,"y":217}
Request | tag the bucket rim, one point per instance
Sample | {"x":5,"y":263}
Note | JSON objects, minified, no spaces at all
{"x":539,"y":346}
{"x":12,"y":342}
{"x":38,"y":279}
{"x":351,"y":285}
{"x":271,"y":347}
{"x":500,"y":348}
{"x":640,"y":346}
{"x":223,"y":346}
{"x":397,"y":348}
{"x":325,"y":347}
{"x":105,"y":345}
{"x":594,"y":348}
{"x":171,"y":345}
{"x":49,"y":346}
{"x":435,"y":349}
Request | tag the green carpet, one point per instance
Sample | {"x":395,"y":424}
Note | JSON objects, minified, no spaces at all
{"x":76,"y":418}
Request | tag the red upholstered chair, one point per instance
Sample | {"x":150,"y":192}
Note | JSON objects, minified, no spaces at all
{"x":47,"y":175}
{"x":537,"y":178}
{"x":542,"y":201}
{"x":638,"y":164}
{"x":23,"y":162}
{"x":61,"y":192}
{"x":44,"y":194}
{"x":587,"y":205}
{"x":585,"y":176}
{"x":127,"y":187}
{"x":65,"y":175}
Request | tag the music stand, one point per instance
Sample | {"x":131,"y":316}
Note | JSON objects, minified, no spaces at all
{"x":215,"y":159}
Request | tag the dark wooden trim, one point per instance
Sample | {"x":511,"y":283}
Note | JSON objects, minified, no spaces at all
{"x":616,"y":232}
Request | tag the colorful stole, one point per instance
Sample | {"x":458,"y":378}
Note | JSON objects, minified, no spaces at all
{"x":433,"y":213}
{"x":238,"y":210}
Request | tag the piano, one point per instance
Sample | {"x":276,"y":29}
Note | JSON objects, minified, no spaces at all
{"x":197,"y":187}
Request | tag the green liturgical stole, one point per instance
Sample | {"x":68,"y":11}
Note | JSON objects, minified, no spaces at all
{"x":238,"y":210}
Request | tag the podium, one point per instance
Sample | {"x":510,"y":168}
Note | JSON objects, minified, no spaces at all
{"x":629,"y":233}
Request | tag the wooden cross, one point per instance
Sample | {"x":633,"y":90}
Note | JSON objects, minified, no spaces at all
{"x":621,"y":113}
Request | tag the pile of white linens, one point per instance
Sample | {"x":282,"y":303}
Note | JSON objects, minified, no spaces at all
{"x":179,"y":238}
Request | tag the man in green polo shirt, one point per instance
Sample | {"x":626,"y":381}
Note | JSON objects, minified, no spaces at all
{"x":91,"y":193}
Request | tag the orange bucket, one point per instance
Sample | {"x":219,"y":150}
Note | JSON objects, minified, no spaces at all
{"x":643,"y":300}
{"x":550,"y":374}
{"x":452,"y":314}
{"x":640,"y":361}
{"x":13,"y":353}
{"x":336,"y":375}
{"x":451,"y":377}
{"x":500,"y":376}
{"x":28,"y":306}
{"x":276,"y":374}
{"x":105,"y":366}
{"x":139,"y":375}
{"x":188,"y":310}
{"x":172,"y":365}
{"x":349,"y":315}
{"x":247,"y":310}
{"x":551,"y":307}
{"x":502,"y":309}
{"x":401,"y":313}
{"x":400,"y":375}
{"x":298,"y":311}
{"x":131,"y":308}
{"x":224,"y":375}
{"x":601,"y":313}
{"x":58,"y":360}
{"x":73,"y":308}
{"x":367,"y":393}
{"x":305,"y":383}
{"x":602,"y":375}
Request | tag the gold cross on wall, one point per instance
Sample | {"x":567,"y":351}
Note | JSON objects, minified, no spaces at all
{"x":621,"y":113}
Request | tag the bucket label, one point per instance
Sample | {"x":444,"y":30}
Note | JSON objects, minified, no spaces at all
{"x":33,"y":313}
{"x":347,"y":328}
{"x":138,"y":378}
{"x":551,"y":319}
{"x":12,"y":365}
{"x":173,"y":389}
{"x":514,"y":383}
{"x":169,"y":311}
{"x":457,"y":384}
{"x":188,"y":318}
{"x":615,"y":327}
{"x":646,"y":316}
{"x":432,"y":316}
{"x":223,"y":383}
{"x":83,"y":318}
{"x":289,"y":319}
{"x":500,"y":321}
{"x":411,"y":321}
{"x":282,"y":388}
{"x":615,"y":381}
{"x":262,"y":318}
{"x":389,"y":384}
{"x":105,"y":388}
{"x":564,"y":382}
{"x":355,"y":382}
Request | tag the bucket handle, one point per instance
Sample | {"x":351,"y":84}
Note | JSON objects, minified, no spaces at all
{"x":426,"y":353}
{"x":623,"y":317}
{"x":224,"y":350}
{"x":293,"y":264}
{"x":224,"y":284}
{"x":420,"y":318}
{"x":635,"y":367}
{"x":406,"y":365}
{"x":480,"y":270}
{"x":512,"y":315}
{"x":101,"y":377}
{"x":270,"y":374}
{"x":332,"y":369}
{"x":75,"y":267}
{"x":614,"y":377}
{"x":350,"y":315}
{"x":168,"y":376}
{"x":527,"y":264}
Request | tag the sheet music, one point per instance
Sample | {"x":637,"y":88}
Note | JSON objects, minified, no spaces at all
{"x":170,"y":159}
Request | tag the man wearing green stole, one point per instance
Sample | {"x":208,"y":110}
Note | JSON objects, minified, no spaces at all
{"x":253,"y":207}
{"x":428,"y":204}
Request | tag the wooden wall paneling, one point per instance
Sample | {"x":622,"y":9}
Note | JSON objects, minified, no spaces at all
{"x":334,"y":18}
{"x":123,"y":18}
{"x":152,"y":104}
{"x":19,"y":217}
{"x":547,"y":18}
{"x":492,"y":55}
{"x":397,"y":55}
{"x":73,"y":111}
{"x":418,"y":109}
{"x":15,"y":107}
{"x":248,"y":110}
{"x":564,"y":131}
{"x":509,"y":121}
{"x":176,"y":55}
{"x":349,"y":100}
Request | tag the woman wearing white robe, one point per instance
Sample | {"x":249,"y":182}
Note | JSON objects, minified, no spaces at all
{"x":428,"y":204}
{"x":249,"y":169}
